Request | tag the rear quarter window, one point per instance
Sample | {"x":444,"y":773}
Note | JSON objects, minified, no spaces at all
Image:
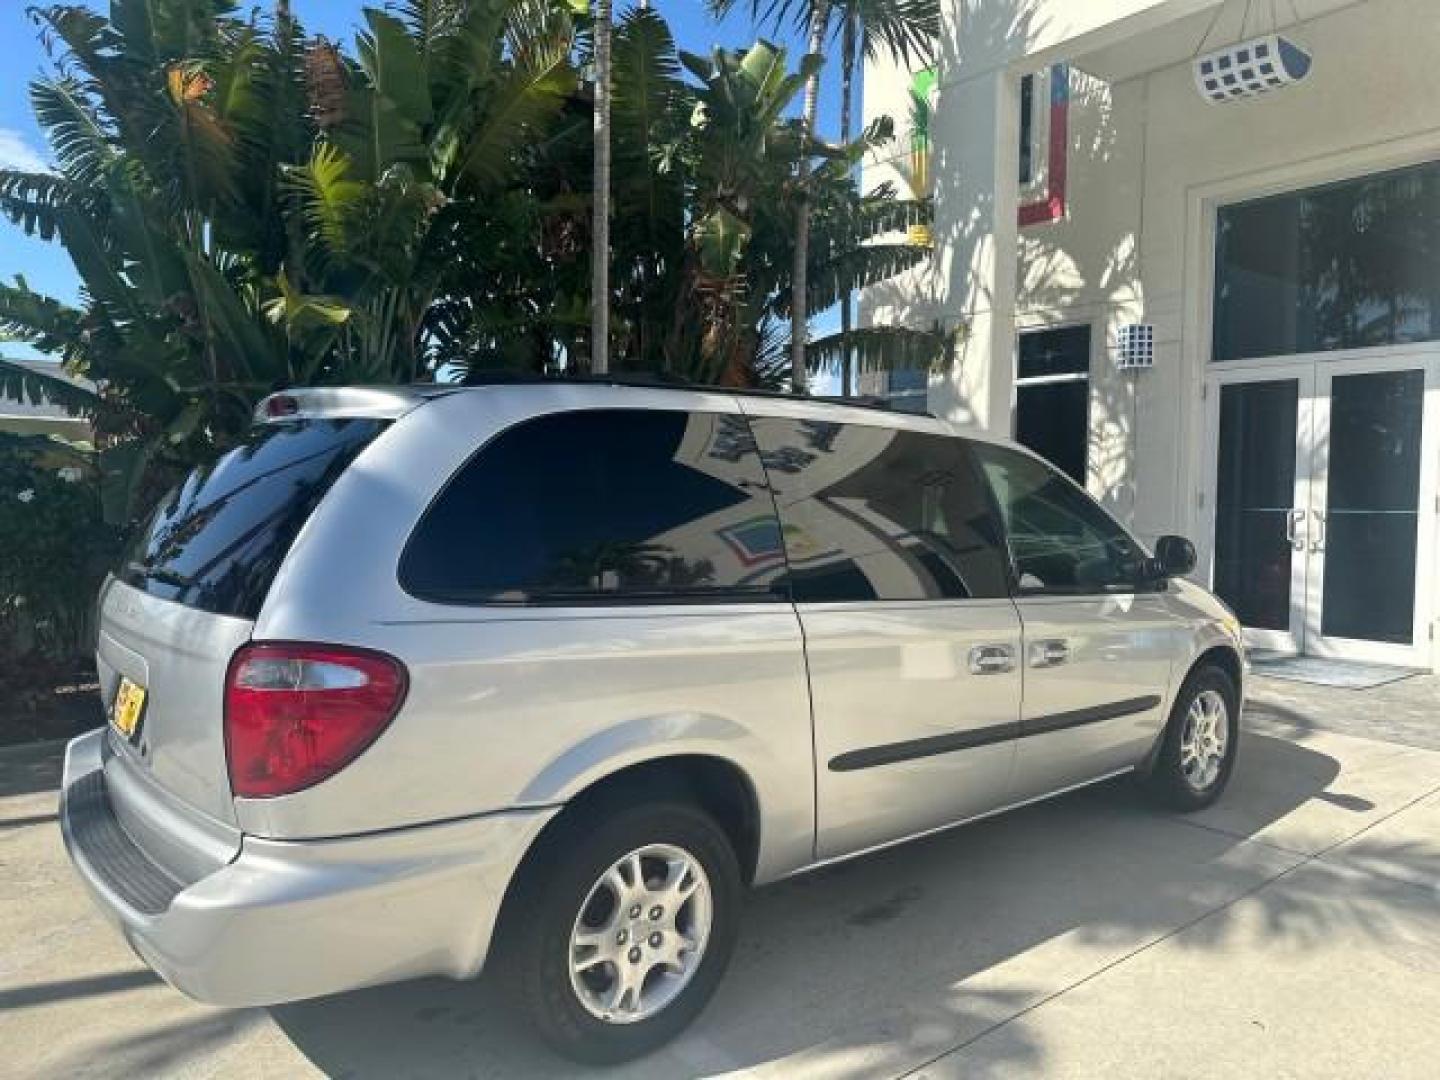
{"x":216,"y":541}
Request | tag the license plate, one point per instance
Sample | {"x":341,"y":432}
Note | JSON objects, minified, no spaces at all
{"x":129,"y":706}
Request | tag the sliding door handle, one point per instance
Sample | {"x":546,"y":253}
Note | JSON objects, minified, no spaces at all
{"x":991,"y":659}
{"x":1052,"y":653}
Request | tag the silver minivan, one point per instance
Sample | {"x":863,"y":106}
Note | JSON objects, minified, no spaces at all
{"x":542,"y":676}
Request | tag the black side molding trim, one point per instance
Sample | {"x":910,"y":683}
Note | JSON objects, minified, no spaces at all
{"x":1044,"y":725}
{"x":911,"y":749}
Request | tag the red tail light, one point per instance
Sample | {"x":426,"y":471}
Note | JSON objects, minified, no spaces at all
{"x":297,"y":714}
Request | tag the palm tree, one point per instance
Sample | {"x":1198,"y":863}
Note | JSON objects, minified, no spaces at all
{"x":246,"y":211}
{"x":249,"y":210}
{"x":742,"y":153}
{"x":903,"y":29}
{"x":600,"y":252}
{"x":740,"y":157}
{"x":799,"y":312}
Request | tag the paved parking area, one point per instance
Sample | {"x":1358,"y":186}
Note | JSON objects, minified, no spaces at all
{"x":1406,"y":711}
{"x":1292,"y":930}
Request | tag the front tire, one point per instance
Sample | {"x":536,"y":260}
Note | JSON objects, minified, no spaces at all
{"x":1201,"y":739}
{"x":621,"y":929}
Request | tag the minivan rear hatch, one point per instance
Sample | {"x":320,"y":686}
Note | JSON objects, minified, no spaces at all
{"x":186,"y":596}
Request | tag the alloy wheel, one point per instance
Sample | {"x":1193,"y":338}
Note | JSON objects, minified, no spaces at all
{"x":641,"y":934}
{"x":1204,"y":740}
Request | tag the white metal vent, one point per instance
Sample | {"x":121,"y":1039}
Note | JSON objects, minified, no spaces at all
{"x":1135,"y":347}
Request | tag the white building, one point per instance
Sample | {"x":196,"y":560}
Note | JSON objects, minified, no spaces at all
{"x":1284,"y":247}
{"x":20,"y":416}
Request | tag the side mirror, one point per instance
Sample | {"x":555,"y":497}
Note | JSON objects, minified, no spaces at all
{"x":1174,"y":556}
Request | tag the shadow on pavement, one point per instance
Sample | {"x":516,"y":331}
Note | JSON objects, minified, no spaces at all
{"x":44,"y":993}
{"x":27,"y":770}
{"x":877,"y":965}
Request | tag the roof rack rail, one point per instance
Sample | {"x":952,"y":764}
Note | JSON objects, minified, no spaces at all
{"x":667,"y":381}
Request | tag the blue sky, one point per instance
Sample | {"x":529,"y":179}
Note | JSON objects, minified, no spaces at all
{"x":46,"y":267}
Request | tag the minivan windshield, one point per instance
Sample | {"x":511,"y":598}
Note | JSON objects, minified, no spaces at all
{"x":216,"y":541}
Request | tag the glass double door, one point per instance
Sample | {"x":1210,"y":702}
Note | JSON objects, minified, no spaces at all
{"x":1324,"y":504}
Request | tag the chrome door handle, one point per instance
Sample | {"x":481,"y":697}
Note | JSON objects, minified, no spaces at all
{"x":991,"y":659}
{"x":1292,"y":529}
{"x":1051,"y":653}
{"x":1318,"y":544}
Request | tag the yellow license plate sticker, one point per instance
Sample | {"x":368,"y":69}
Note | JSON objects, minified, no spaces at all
{"x":129,"y":704}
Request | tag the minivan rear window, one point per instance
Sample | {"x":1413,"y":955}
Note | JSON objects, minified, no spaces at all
{"x":217,"y":540}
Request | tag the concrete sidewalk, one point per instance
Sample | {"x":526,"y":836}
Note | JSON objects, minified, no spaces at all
{"x":1292,"y":930}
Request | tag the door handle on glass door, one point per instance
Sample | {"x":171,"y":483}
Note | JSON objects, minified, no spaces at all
{"x":1292,"y":529}
{"x":991,"y":659}
{"x":1318,"y":544}
{"x":1050,"y":653}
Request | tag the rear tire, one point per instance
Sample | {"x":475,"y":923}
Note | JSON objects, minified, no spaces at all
{"x":646,"y":899}
{"x":1201,"y":739}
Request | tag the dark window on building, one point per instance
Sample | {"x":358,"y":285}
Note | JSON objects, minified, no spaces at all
{"x":1052,"y":397}
{"x":874,"y":513}
{"x":1344,"y":266}
{"x":1064,"y":350}
{"x":216,"y":542}
{"x":1255,"y":481}
{"x":1027,"y":130}
{"x":1372,"y":520}
{"x":1061,"y":541}
{"x":592,"y":506}
{"x":908,"y":390}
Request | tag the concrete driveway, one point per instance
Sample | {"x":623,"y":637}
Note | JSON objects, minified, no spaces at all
{"x":1293,"y":930}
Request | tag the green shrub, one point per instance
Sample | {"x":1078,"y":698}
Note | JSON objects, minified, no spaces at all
{"x":56,"y":550}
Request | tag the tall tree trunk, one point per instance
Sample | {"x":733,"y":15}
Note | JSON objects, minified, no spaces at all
{"x":799,"y":284}
{"x":600,"y":233}
{"x":849,"y":36}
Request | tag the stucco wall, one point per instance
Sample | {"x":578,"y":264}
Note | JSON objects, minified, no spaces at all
{"x":1151,"y":160}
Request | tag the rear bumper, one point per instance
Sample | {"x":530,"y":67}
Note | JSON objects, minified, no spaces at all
{"x":294,"y":919}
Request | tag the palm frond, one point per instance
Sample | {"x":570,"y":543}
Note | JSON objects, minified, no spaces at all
{"x":842,"y":226}
{"x":649,"y":93}
{"x":72,"y":124}
{"x":882,"y":348}
{"x":47,"y":324}
{"x":880,"y":215}
{"x":82,"y":33}
{"x":855,"y":269}
{"x":31,"y":200}
{"x":428,"y":21}
{"x":531,"y":94}
{"x":332,"y":199}
{"x":907,"y":30}
{"x":398,"y":75}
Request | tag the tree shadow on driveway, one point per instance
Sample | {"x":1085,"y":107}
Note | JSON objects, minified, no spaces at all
{"x":878,"y":965}
{"x":30,"y":770}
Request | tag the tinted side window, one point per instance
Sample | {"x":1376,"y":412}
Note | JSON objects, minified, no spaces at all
{"x":873,"y":513}
{"x":1060,"y":540}
{"x":602,"y":505}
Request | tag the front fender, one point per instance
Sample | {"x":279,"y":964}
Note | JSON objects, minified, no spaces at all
{"x":1206,"y":625}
